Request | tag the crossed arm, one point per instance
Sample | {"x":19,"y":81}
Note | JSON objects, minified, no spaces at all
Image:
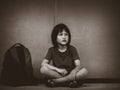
{"x":59,"y":70}
{"x":62,"y":72}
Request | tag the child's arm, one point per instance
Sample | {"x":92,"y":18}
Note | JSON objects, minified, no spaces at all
{"x":78,"y":65}
{"x":46,"y":63}
{"x":75,"y":70}
{"x":60,"y":71}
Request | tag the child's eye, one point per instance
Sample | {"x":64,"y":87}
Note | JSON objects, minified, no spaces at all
{"x":66,"y":34}
{"x":60,"y":34}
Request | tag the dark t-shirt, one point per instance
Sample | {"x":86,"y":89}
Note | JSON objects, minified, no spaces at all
{"x":63,"y":59}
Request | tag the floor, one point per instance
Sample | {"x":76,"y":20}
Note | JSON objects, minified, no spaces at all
{"x":86,"y":86}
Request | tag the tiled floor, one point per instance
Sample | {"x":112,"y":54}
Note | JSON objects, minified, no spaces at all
{"x":86,"y":86}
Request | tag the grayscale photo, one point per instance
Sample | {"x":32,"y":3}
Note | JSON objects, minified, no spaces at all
{"x":59,"y":44}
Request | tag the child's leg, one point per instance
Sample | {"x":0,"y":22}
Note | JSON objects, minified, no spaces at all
{"x":69,"y":77}
{"x":81,"y":74}
{"x":61,"y":80}
{"x":49,"y":73}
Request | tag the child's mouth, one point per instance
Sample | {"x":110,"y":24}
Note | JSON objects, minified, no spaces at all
{"x":63,"y":40}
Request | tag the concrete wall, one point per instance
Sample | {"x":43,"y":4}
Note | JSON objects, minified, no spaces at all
{"x":28,"y":22}
{"x":94,"y":26}
{"x":95,"y":32}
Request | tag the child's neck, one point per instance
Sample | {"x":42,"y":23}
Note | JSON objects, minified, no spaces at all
{"x":62,"y":48}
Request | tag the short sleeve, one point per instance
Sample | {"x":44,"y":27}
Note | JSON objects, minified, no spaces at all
{"x":49,"y":54}
{"x":75,"y":53}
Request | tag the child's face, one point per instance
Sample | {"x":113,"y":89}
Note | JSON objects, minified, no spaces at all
{"x":62,"y":38}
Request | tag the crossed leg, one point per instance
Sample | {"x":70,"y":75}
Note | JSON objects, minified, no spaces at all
{"x":57,"y":78}
{"x":82,"y":73}
{"x":49,"y":73}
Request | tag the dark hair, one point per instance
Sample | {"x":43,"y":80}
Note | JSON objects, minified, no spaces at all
{"x":59,"y":28}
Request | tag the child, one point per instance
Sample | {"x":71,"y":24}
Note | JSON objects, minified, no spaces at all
{"x":66,"y":62}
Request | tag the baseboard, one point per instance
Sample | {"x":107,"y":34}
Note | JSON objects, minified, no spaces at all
{"x":102,"y":80}
{"x":93,"y":80}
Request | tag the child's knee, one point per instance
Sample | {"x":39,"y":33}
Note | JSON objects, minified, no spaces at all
{"x":85,"y":71}
{"x":82,"y":73}
{"x":43,"y":69}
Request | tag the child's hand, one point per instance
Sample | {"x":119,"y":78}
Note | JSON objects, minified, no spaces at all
{"x":63,"y":72}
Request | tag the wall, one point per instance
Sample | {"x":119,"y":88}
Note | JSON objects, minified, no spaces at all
{"x":28,"y":22}
{"x":94,"y":27}
{"x":95,"y":32}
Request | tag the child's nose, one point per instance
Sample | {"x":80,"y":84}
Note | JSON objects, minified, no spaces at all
{"x":64,"y":36}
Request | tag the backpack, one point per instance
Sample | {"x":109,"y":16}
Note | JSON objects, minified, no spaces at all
{"x":17,"y":66}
